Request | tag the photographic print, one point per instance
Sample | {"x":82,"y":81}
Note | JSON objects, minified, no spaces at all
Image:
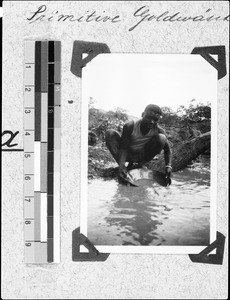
{"x":130,"y":151}
{"x":148,"y":166}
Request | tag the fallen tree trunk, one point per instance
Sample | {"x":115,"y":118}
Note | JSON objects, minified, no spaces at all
{"x":183,"y":153}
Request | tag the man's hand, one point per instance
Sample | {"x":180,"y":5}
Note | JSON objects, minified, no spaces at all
{"x":122,"y":175}
{"x":122,"y":172}
{"x":168,"y":171}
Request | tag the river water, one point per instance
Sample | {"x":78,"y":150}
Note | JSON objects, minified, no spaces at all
{"x":152,"y":214}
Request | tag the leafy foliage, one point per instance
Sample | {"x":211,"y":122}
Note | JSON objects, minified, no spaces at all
{"x":100,"y":121}
{"x":169,"y":117}
{"x":186,"y":115}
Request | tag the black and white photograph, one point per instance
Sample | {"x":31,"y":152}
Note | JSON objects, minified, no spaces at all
{"x":148,"y":159}
{"x":115,"y":149}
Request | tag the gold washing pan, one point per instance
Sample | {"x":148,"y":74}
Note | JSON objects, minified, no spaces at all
{"x":135,"y":177}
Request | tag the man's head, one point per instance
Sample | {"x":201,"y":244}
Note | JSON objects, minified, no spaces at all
{"x":151,"y":115}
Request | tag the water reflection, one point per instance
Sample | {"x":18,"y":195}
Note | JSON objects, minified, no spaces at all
{"x":136,"y":214}
{"x":151,"y":214}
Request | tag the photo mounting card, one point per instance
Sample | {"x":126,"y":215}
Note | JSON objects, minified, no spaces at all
{"x":93,"y":232}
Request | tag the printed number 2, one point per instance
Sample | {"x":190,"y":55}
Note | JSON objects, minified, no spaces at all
{"x":27,"y":89}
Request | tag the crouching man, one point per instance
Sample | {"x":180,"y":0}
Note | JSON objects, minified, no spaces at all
{"x":140,"y":142}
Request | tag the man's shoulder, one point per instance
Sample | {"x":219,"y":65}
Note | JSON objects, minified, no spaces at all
{"x":129,"y":124}
{"x":161,"y":130}
{"x":128,"y":127}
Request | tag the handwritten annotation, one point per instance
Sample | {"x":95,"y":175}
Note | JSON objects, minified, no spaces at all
{"x":141,"y":15}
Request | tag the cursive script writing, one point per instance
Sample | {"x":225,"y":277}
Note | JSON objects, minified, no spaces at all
{"x":11,"y":137}
{"x":41,"y":14}
{"x":144,"y":14}
{"x":141,"y":15}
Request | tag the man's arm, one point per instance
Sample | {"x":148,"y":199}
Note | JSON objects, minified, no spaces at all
{"x":124,"y":144}
{"x":168,"y":159}
{"x":161,"y":130}
{"x":167,"y":150}
{"x":167,"y":154}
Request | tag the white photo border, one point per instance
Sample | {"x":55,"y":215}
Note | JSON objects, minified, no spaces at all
{"x":84,"y":183}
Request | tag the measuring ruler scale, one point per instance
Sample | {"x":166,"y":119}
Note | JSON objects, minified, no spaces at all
{"x":42,"y":139}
